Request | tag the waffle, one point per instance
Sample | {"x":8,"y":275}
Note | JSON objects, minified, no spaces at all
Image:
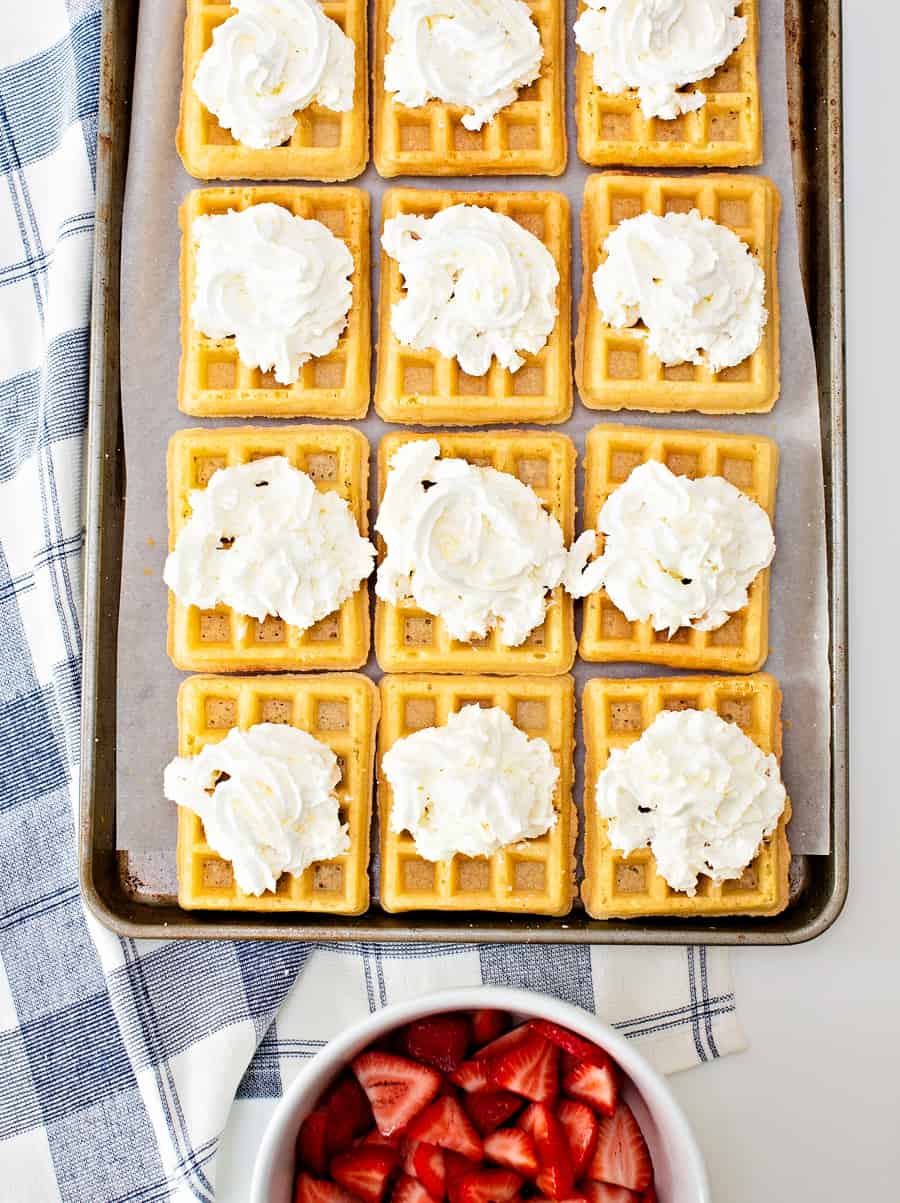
{"x":534,"y":877}
{"x":528,"y":137}
{"x":407,"y":639}
{"x":212,"y":381}
{"x":615,"y":713}
{"x":726,"y":132}
{"x":751,"y":465}
{"x":220,"y":640}
{"x":425,"y":388}
{"x":341,"y":710}
{"x":324,"y":146}
{"x":613,"y":368}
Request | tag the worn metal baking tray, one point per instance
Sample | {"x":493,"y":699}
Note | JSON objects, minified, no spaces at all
{"x":115,"y":888}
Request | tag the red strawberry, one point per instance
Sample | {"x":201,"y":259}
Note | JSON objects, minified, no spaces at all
{"x":489,"y":1186}
{"x":428,"y":1167}
{"x":621,"y":1156}
{"x":410,"y":1190}
{"x":346,"y":1097}
{"x":593,"y":1083}
{"x":488,"y":1024}
{"x":397,"y":1089}
{"x":514,"y":1149}
{"x":605,"y":1192}
{"x":312,"y":1142}
{"x":471,"y":1075}
{"x":374,"y":1137}
{"x":528,"y":1068}
{"x":491,"y":1108}
{"x":577,"y":1198}
{"x":438,"y":1040}
{"x":445,"y":1123}
{"x":555,"y":1178}
{"x":365,"y":1170}
{"x":318,"y":1190}
{"x":576,"y":1046}
{"x":503,"y":1043}
{"x":649,"y":1195}
{"x":455,"y":1169}
{"x":580,"y":1126}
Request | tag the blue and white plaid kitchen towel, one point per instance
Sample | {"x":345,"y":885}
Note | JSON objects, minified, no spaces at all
{"x":119,"y":1059}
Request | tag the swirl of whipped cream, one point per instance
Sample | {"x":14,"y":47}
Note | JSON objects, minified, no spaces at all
{"x":264,"y":540}
{"x":474,"y":53}
{"x":680,"y":552}
{"x":472,"y":545}
{"x":279,"y":284}
{"x":695,"y":285}
{"x":471,"y":787}
{"x":266,"y":798}
{"x":270,"y":60}
{"x":658,"y":46}
{"x":477,"y":284}
{"x":695,"y":789}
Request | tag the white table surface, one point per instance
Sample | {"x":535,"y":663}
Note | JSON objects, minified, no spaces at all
{"x":811,"y":1110}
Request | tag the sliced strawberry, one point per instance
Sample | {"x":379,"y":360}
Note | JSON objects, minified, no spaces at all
{"x":579,"y":1197}
{"x":621,"y":1156}
{"x":438,"y":1040}
{"x":555,"y":1178}
{"x":488,"y":1024}
{"x":455,"y":1169}
{"x":580,"y":1126}
{"x":365,"y":1170}
{"x":489,"y":1186}
{"x":490,"y":1108}
{"x":445,"y":1123}
{"x":319,"y":1190}
{"x":374,"y":1137}
{"x":528,"y":1067}
{"x":472,"y":1075}
{"x":649,"y":1195}
{"x":312,"y":1142}
{"x":513,"y":1149}
{"x":410,"y":1190}
{"x":576,"y":1046}
{"x":593,"y":1083}
{"x":428,"y":1167}
{"x":503,"y":1043}
{"x":397,"y":1089}
{"x":605,"y":1192}
{"x":346,"y":1102}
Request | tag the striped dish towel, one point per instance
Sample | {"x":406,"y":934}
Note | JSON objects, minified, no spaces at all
{"x":119,"y":1059}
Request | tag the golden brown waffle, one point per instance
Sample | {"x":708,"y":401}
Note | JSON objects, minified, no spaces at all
{"x":220,"y":640}
{"x":536,"y":876}
{"x":424,"y":388}
{"x":750,"y":463}
{"x":409,"y":640}
{"x":615,"y":713}
{"x":528,"y":137}
{"x":613,"y":368}
{"x":725,"y":132}
{"x":212,"y":381}
{"x":325,"y":145}
{"x":341,"y":710}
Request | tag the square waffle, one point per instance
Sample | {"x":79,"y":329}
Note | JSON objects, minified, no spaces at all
{"x":324,"y":146}
{"x":615,"y":713}
{"x":212,"y":381}
{"x":424,"y":388}
{"x":751,"y":465}
{"x":725,"y":132}
{"x":341,"y":710}
{"x":527,"y":137}
{"x":535,"y":876}
{"x":409,"y":640}
{"x":219,"y":640}
{"x":613,"y":368}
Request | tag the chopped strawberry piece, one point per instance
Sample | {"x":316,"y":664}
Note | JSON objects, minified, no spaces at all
{"x":576,"y":1198}
{"x":621,"y":1156}
{"x":491,"y":1108}
{"x":528,"y":1068}
{"x":514,"y":1149}
{"x":441,"y":1041}
{"x":397,"y":1089}
{"x":649,"y":1195}
{"x":312,"y":1142}
{"x":455,"y":1169}
{"x":445,"y":1123}
{"x":576,"y":1046}
{"x":374,"y":1137}
{"x":472,"y":1075}
{"x":428,"y":1167}
{"x":488,"y":1024}
{"x":319,"y":1190}
{"x":556,"y":1178}
{"x":410,"y":1190}
{"x":489,"y":1186}
{"x":347,"y":1098}
{"x":605,"y":1192}
{"x":580,"y":1126}
{"x":365,"y":1170}
{"x":594,"y":1084}
{"x":503,"y":1043}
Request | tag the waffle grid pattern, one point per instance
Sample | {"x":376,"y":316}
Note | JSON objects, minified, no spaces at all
{"x":212,"y":381}
{"x":325,"y":145}
{"x":615,"y":713}
{"x":341,"y":710}
{"x":427,"y":389}
{"x":751,"y":465}
{"x":613,"y":368}
{"x":219,"y":640}
{"x":535,"y":876}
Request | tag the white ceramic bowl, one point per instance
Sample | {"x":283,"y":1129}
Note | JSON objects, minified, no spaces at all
{"x":680,"y":1172}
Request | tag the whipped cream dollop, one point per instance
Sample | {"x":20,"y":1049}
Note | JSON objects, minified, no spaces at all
{"x":478,"y":285}
{"x":264,"y":540}
{"x":474,"y":53}
{"x":279,"y":284}
{"x":266,"y":798}
{"x":268,"y":61}
{"x":694,"y":284}
{"x":472,"y":786}
{"x":680,"y":552}
{"x":472,"y":545}
{"x":695,"y":789}
{"x":658,"y":46}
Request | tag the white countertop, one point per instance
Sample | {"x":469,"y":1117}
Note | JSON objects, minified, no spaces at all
{"x":810,"y":1111}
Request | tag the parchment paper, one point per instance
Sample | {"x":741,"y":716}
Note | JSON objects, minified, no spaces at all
{"x":147,"y":682}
